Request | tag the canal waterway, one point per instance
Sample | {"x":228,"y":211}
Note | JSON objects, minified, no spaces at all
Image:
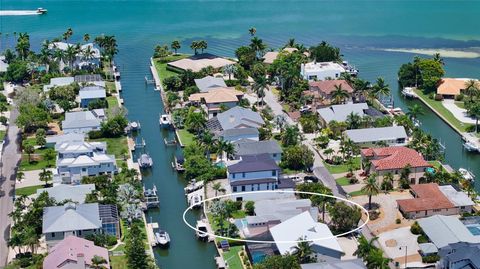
{"x":362,"y":28}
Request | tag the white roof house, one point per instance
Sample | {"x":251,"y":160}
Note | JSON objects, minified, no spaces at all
{"x":305,"y":227}
{"x":3,"y":64}
{"x":321,"y":70}
{"x":60,"y":81}
{"x":92,"y":92}
{"x":280,"y":210}
{"x":71,"y":217}
{"x":458,"y":198}
{"x":393,"y":135}
{"x":340,"y":112}
{"x":62,"y":192}
{"x":208,"y":82}
{"x":80,"y":122}
{"x":445,"y":230}
{"x":58,"y":139}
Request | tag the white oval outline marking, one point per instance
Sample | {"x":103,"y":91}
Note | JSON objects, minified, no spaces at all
{"x":272,"y":242}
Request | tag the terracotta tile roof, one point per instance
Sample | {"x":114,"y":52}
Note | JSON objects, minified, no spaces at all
{"x":328,"y":86}
{"x":451,"y":86}
{"x":217,"y":95}
{"x":389,"y":158}
{"x":428,"y":197}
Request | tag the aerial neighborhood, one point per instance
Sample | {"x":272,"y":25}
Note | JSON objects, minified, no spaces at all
{"x":287,"y":157}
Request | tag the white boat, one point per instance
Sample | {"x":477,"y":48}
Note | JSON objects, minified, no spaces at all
{"x":145,"y":161}
{"x":408,"y":92}
{"x":416,"y":123}
{"x":41,"y":10}
{"x":38,"y":11}
{"x":201,"y":232}
{"x":471,"y":146}
{"x":162,"y":238}
{"x":195,"y":200}
{"x":165,"y":120}
{"x":466,"y":174}
{"x":193,"y":186}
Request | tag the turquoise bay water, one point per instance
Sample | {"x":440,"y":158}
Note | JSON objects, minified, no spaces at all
{"x":359,"y":27}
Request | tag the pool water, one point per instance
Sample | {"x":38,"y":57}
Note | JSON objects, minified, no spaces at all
{"x":258,"y":256}
{"x":430,"y":170}
{"x":474,"y":229}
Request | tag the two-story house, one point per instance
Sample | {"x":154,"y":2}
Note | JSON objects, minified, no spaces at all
{"x":247,"y":147}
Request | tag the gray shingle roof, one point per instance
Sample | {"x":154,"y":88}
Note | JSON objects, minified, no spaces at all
{"x":76,"y":193}
{"x":340,"y":112}
{"x":376,"y":134}
{"x":250,"y":147}
{"x":238,"y":117}
{"x":204,"y":84}
{"x":239,"y":131}
{"x":253,"y":163}
{"x":71,"y":217}
{"x":80,"y":119}
{"x":71,"y":137}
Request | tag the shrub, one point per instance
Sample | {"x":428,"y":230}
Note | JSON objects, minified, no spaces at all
{"x":431,"y":96}
{"x":250,"y":208}
{"x":353,"y":180}
{"x":430,"y":259}
{"x":95,"y":134}
{"x":3,"y":120}
{"x":97,"y":104}
{"x":398,"y":221}
{"x":459,"y":97}
{"x":438,"y":97}
{"x":416,"y":229}
{"x":422,"y":239}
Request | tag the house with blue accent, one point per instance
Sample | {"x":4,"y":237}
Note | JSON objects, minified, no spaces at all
{"x":247,"y":147}
{"x":78,"y":159}
{"x":91,"y":94}
{"x":88,"y":57}
{"x":235,"y":124}
{"x":253,"y":173}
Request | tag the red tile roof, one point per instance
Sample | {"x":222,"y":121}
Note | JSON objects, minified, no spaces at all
{"x":328,"y":86}
{"x":428,"y":197}
{"x":389,"y":158}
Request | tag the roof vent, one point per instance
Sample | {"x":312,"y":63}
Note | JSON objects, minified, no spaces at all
{"x":70,"y":206}
{"x":232,"y":118}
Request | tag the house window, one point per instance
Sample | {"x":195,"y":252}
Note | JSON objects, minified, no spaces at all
{"x":235,"y":189}
{"x":53,"y":235}
{"x":243,"y":174}
{"x":268,"y":186}
{"x":274,"y":155}
{"x":80,"y":233}
{"x":233,"y":175}
{"x":252,"y":187}
{"x":274,"y":173}
{"x":437,"y":210}
{"x":243,"y":188}
{"x":84,"y":169}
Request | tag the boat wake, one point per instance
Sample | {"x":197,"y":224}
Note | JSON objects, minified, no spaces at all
{"x":447,"y":53}
{"x":21,"y":12}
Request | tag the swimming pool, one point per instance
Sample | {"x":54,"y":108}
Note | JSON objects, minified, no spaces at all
{"x":258,"y":256}
{"x":474,"y":229}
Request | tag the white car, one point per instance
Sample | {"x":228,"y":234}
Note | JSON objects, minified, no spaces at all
{"x":305,"y":109}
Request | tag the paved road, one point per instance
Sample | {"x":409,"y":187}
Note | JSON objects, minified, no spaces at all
{"x":276,"y":107}
{"x":10,"y":158}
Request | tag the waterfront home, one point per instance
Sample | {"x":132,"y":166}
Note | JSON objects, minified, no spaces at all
{"x":74,"y":253}
{"x":207,"y":83}
{"x":335,"y":264}
{"x":91,"y":94}
{"x":61,"y":138}
{"x":59,"y":81}
{"x":81,"y":122}
{"x":303,"y":226}
{"x":325,"y":70}
{"x":90,"y":79}
{"x":253,"y":173}
{"x":321,"y":91}
{"x":3,"y":64}
{"x":79,"y":220}
{"x":428,"y":201}
{"x":63,"y":192}
{"x":247,"y":147}
{"x":458,"y":198}
{"x":199,"y":61}
{"x":385,"y":136}
{"x":392,"y":160}
{"x":271,"y":212}
{"x":451,"y":87}
{"x":82,"y":60}
{"x":236,"y":123}
{"x":340,"y":113}
{"x":215,"y":99}
{"x":459,"y":256}
{"x":78,"y":159}
{"x":444,"y":230}
{"x":271,"y":56}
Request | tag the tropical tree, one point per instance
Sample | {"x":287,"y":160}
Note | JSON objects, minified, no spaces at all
{"x":23,"y":45}
{"x":98,"y":262}
{"x":202,"y":44}
{"x":252,"y":31}
{"x":387,"y":182}
{"x":328,"y":152}
{"x":70,"y":55}
{"x":474,"y":111}
{"x":86,"y":37}
{"x":380,"y":88}
{"x":258,"y":46}
{"x":375,"y":260}
{"x":175,"y":45}
{"x":365,"y":246}
{"x":67,"y":34}
{"x":353,"y":120}
{"x":405,"y":176}
{"x":303,"y":251}
{"x":317,"y":200}
{"x":414,"y":111}
{"x":278,"y":262}
{"x":371,"y":188}
{"x":20,"y":176}
{"x":217,"y":186}
{"x":229,"y":70}
{"x":279,"y":122}
{"x":29,"y":149}
{"x":339,"y":95}
{"x":195,"y":46}
{"x":290,"y":135}
{"x":45,"y":176}
{"x":259,"y":87}
{"x":49,"y":156}
{"x":472,"y":88}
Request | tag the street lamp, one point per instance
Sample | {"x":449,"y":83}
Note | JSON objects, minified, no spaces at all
{"x":406,"y":248}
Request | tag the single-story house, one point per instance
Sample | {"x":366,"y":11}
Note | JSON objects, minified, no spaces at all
{"x":271,"y":56}
{"x":3,"y":64}
{"x":392,"y":160}
{"x":215,"y":98}
{"x":451,"y":87}
{"x":340,"y":113}
{"x":246,"y":147}
{"x":80,"y":122}
{"x":207,"y":83}
{"x":335,"y":264}
{"x":91,"y":94}
{"x":74,"y":253}
{"x":63,"y":192}
{"x":199,"y":61}
{"x":322,"y":242}
{"x":369,"y":137}
{"x":322,"y":90}
{"x":60,"y":81}
{"x":254,"y":172}
{"x":460,"y":199}
{"x":236,"y":123}
{"x":90,"y":79}
{"x":61,"y":138}
{"x":428,"y":200}
{"x":79,"y":220}
{"x":461,"y":255}
{"x":444,"y":230}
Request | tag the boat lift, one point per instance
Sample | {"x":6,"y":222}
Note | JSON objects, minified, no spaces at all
{"x":151,"y":198}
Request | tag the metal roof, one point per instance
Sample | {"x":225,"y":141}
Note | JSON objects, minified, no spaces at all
{"x":336,"y":264}
{"x":71,"y":217}
{"x":251,"y":147}
{"x":208,"y":82}
{"x":340,"y":112}
{"x":444,"y":230}
{"x":62,"y":192}
{"x":80,"y":119}
{"x":92,"y":92}
{"x":376,"y":134}
{"x":458,"y":198}
{"x":238,"y":117}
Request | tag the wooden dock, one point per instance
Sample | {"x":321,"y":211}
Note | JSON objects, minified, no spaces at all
{"x":151,"y":227}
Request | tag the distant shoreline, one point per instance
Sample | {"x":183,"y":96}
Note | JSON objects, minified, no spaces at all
{"x":446,"y":53}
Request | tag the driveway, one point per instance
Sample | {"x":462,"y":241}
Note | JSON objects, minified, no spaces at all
{"x":10,"y":160}
{"x":396,"y":242}
{"x":276,"y":107}
{"x":459,"y":113}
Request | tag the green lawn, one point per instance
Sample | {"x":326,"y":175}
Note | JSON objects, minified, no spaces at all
{"x":112,"y":103}
{"x":232,"y":257}
{"x":162,"y":66}
{"x":2,"y":135}
{"x":116,"y":146}
{"x":343,"y":168}
{"x":356,"y":193}
{"x":110,"y":85}
{"x":27,"y":190}
{"x":438,"y":107}
{"x":118,"y":262}
{"x":287,"y":171}
{"x":343,"y":181}
{"x":460,"y":104}
{"x":186,"y":138}
{"x":25,"y":165}
{"x":239,"y":214}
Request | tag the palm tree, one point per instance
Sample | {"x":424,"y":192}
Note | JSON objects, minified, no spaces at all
{"x":303,"y":251}
{"x":375,"y":260}
{"x":387,"y":182}
{"x":259,"y":87}
{"x":258,"y":46}
{"x":229,"y":70}
{"x":291,"y":43}
{"x":67,"y":34}
{"x":88,"y":53}
{"x":20,"y":176}
{"x":195,"y":46}
{"x":365,"y":246}
{"x":206,"y":139}
{"x":371,"y":188}
{"x":44,"y":57}
{"x":405,"y":175}
{"x":471,"y":88}
{"x":414,"y":111}
{"x":86,"y":37}
{"x":175,"y":46}
{"x":45,"y":176}
{"x":216,"y":187}
{"x":328,"y":152}
{"x":339,"y":95}
{"x":202,"y":44}
{"x":380,"y":88}
{"x":70,"y":55}
{"x":438,"y":58}
{"x":98,"y":262}
{"x":252,"y":31}
{"x":353,"y":120}
{"x":279,"y":122}
{"x":474,"y":110}
{"x":29,"y":149}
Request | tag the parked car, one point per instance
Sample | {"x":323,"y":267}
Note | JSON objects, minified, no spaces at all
{"x":305,"y":109}
{"x":310,"y":179}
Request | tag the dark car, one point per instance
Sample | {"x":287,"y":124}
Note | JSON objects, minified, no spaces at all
{"x":311,"y":178}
